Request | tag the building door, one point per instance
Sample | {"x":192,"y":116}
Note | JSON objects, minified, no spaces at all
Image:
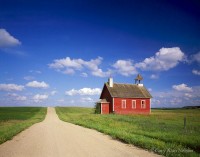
{"x":105,"y":108}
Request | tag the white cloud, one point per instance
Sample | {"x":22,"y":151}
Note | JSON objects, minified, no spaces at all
{"x":21,"y":98}
{"x":188,"y":95}
{"x":87,"y":99}
{"x":93,"y":64}
{"x":7,"y":40}
{"x":196,"y":72}
{"x":68,"y":71}
{"x":84,"y":74}
{"x":18,"y":97}
{"x":177,"y":98}
{"x":11,"y":87}
{"x":69,"y":66}
{"x":53,"y":92}
{"x":125,"y":67}
{"x":84,"y":91}
{"x":163,"y":60}
{"x":101,"y":73}
{"x":35,"y":71}
{"x":72,"y":101}
{"x":196,"y":57}
{"x":149,"y":89}
{"x":60,"y":100}
{"x":154,"y":76}
{"x":175,"y":101}
{"x":36,"y":84}
{"x":40,"y":97}
{"x":182,"y":87}
{"x":66,"y":62}
{"x":28,"y":78}
{"x":156,"y":102}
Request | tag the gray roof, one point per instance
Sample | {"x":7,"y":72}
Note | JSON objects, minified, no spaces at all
{"x":128,"y":91}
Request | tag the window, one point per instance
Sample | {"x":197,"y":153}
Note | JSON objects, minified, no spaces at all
{"x":123,"y":103}
{"x":134,"y":104}
{"x":143,"y":104}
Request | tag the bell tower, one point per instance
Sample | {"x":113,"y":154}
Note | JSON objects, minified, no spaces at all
{"x":138,"y":79}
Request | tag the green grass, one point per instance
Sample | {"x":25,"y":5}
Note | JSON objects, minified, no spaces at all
{"x":161,"y":132}
{"x":15,"y":119}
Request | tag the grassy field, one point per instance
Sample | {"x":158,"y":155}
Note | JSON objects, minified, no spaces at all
{"x":161,"y":132}
{"x":15,"y":119}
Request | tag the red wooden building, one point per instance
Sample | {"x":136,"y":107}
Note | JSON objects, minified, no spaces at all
{"x":125,"y":98}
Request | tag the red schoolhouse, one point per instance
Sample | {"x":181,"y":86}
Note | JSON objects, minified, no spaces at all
{"x":125,"y":98}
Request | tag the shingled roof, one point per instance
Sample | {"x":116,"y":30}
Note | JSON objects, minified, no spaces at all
{"x":128,"y":91}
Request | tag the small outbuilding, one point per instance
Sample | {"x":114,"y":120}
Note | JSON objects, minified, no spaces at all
{"x":121,"y":98}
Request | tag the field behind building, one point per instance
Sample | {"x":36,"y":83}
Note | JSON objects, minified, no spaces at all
{"x":15,"y":119}
{"x":162,"y":132}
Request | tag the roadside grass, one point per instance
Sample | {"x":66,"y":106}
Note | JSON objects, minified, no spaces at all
{"x":161,"y":132}
{"x":13,"y":120}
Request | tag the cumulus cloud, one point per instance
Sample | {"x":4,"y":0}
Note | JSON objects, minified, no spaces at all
{"x":7,"y":40}
{"x":36,"y":84}
{"x":84,"y":91}
{"x":84,"y":74}
{"x":154,"y":76}
{"x":182,"y":87}
{"x":60,"y":100}
{"x":11,"y":87}
{"x":196,"y":57}
{"x":53,"y":92}
{"x":188,"y":95}
{"x":17,"y":97}
{"x":101,"y":73}
{"x":149,"y":89}
{"x":68,"y":71}
{"x":93,"y":64}
{"x":87,"y":99}
{"x":177,"y":98}
{"x":164,"y":59}
{"x":35,"y":71}
{"x":66,"y":62}
{"x":28,"y":78}
{"x":125,"y":67}
{"x":40,"y":97}
{"x":21,"y":98}
{"x":196,"y":72}
{"x":69,"y":66}
{"x":175,"y":101}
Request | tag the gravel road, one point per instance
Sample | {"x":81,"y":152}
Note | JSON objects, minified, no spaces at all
{"x":55,"y":138}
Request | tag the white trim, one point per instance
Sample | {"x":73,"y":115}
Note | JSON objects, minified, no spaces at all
{"x":122,"y":103}
{"x":113,"y":104}
{"x":143,"y":107}
{"x":134,"y":104}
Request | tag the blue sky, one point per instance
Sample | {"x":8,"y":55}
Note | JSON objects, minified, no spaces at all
{"x":61,"y":52}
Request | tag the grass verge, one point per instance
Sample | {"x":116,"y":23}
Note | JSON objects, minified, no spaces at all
{"x":13,"y":120}
{"x":161,"y":132}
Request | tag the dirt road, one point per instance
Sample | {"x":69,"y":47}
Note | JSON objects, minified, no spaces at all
{"x":54,"y":138}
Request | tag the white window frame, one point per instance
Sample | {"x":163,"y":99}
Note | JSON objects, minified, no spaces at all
{"x":143,"y":105}
{"x":123,"y":103}
{"x":133,"y":104}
